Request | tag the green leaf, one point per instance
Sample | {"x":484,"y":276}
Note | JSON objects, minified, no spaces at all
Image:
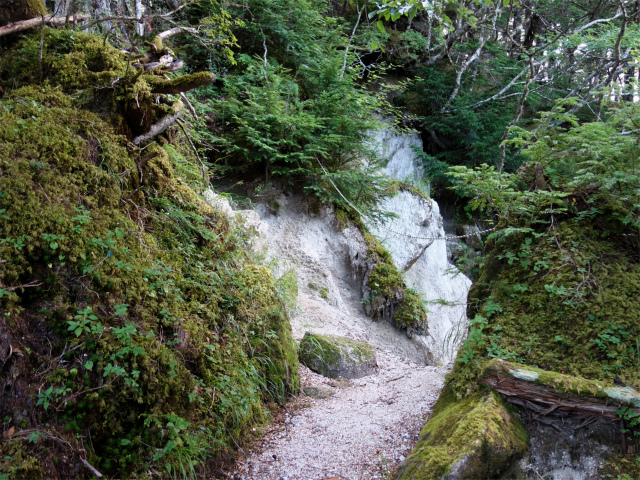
{"x":88,"y":365}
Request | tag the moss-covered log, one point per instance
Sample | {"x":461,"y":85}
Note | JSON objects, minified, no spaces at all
{"x":180,"y":84}
{"x":565,"y":393}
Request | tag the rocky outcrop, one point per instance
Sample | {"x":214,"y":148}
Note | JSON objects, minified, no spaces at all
{"x":478,"y":437}
{"x":471,"y":235}
{"x":417,"y":222}
{"x":331,"y":263}
{"x":335,"y":357}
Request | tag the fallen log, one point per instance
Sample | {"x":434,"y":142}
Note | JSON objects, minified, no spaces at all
{"x":559,"y":392}
{"x":34,"y":22}
{"x":180,"y":84}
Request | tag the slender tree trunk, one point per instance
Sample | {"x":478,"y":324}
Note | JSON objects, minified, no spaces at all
{"x":139,"y":13}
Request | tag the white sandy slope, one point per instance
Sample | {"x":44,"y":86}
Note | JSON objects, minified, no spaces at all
{"x":367,"y":428}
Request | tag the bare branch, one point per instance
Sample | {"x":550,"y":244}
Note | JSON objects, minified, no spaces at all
{"x":93,"y":470}
{"x":483,"y":39}
{"x":161,"y":126}
{"x":131,"y":19}
{"x":516,"y":119}
{"x":176,"y":30}
{"x":33,"y":22}
{"x":346,"y":50}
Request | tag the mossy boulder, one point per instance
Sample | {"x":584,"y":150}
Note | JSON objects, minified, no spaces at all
{"x":478,"y":437}
{"x":336,"y":357}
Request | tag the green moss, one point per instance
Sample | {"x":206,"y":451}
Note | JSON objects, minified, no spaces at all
{"x":620,"y":468}
{"x":15,"y":461}
{"x":479,"y":433}
{"x":566,"y":303}
{"x":174,"y":332}
{"x":387,"y":293}
{"x":400,"y":186}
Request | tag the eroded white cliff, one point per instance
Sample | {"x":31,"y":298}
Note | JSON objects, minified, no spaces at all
{"x":415,"y":242}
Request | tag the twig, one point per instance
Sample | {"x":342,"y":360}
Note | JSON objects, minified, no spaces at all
{"x":45,"y":193}
{"x":41,"y":46}
{"x":205,"y":178}
{"x":346,"y":50}
{"x":26,"y":285}
{"x":189,"y":106}
{"x":93,"y":470}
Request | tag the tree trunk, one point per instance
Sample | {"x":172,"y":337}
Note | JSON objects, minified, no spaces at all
{"x":139,"y":12}
{"x":12,"y":11}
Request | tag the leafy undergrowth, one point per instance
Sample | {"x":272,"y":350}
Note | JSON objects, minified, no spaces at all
{"x":135,"y":332}
{"x":560,"y":286}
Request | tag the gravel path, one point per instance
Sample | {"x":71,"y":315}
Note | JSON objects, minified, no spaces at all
{"x":361,"y":432}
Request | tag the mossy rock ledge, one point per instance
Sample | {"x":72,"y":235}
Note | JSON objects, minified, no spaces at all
{"x":335,"y":357}
{"x":477,"y":438}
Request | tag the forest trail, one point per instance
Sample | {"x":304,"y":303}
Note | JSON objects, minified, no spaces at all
{"x":366,"y":428}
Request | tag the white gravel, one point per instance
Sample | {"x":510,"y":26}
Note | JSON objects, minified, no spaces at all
{"x":362,"y":432}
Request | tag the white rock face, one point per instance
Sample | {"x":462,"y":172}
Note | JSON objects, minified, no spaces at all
{"x":218,"y":202}
{"x":424,"y":261}
{"x":249,"y":218}
{"x":407,"y":236}
{"x":437,"y":280}
{"x":398,"y":150}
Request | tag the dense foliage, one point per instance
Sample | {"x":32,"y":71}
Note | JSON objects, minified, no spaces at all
{"x":561,"y":281}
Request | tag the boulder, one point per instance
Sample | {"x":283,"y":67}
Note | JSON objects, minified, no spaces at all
{"x":335,"y":357}
{"x":472,"y":236}
{"x":477,"y":437}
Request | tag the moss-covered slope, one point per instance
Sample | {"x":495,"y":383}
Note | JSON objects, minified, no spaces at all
{"x":475,"y":438}
{"x":566,"y":301}
{"x":135,"y":333}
